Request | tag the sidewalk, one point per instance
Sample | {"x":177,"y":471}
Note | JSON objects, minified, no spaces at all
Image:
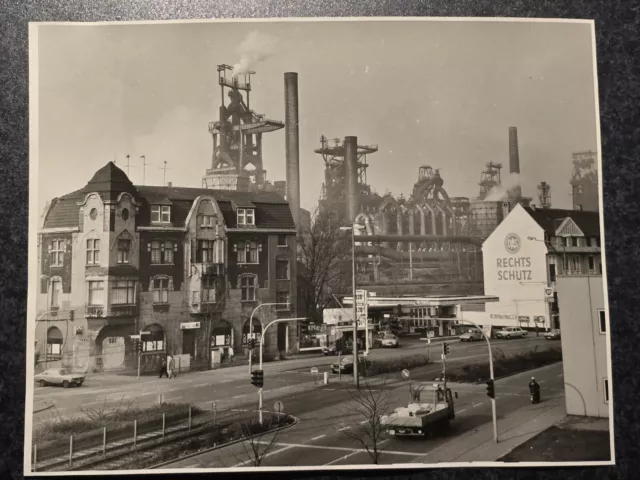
{"x":514,"y":429}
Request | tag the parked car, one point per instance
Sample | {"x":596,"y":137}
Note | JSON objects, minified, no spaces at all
{"x":389,"y":340}
{"x":346,"y":365}
{"x":471,"y":335}
{"x":59,"y":376}
{"x":511,"y":332}
{"x":332,"y":350}
{"x":552,"y":335}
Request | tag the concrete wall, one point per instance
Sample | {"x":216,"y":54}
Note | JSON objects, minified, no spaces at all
{"x":584,"y":346}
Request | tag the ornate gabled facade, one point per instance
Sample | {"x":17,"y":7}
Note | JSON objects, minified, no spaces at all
{"x":182,"y":267}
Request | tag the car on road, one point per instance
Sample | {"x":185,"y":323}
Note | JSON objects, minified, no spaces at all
{"x":471,"y":335}
{"x":552,"y":335}
{"x":332,"y":350}
{"x":346,"y":365}
{"x":389,"y":340}
{"x":59,"y":376}
{"x":511,"y":332}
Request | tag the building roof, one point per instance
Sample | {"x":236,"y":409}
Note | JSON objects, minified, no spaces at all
{"x":551,"y":218}
{"x":272,"y":210}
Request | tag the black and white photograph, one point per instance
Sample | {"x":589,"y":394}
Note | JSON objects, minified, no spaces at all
{"x":323,"y":244}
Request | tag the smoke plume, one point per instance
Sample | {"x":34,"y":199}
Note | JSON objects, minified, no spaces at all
{"x":501,"y":192}
{"x":254,"y":49}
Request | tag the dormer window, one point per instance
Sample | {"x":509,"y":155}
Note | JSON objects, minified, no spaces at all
{"x":160,"y":214}
{"x":246,"y":216}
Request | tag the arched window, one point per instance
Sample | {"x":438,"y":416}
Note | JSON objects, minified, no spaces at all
{"x":256,"y":331}
{"x":153,"y":339}
{"x":221,"y":335}
{"x":54,"y":342}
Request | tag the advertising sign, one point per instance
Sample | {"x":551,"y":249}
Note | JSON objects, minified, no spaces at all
{"x":189,"y":325}
{"x":362,"y":309}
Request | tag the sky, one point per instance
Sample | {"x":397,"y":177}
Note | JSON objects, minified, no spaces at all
{"x":426,"y":92}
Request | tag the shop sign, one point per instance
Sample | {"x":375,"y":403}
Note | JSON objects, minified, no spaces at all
{"x":189,"y":325}
{"x":500,"y":316}
{"x":524,"y":318}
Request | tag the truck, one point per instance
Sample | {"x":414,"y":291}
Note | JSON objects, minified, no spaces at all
{"x":430,"y":411}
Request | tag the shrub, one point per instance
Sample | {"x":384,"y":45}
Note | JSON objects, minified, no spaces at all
{"x":379,"y":366}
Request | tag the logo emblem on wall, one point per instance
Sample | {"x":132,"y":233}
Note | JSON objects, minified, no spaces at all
{"x":512,"y":243}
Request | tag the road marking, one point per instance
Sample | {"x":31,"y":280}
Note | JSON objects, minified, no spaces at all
{"x":342,"y":458}
{"x":201,"y":385}
{"x":344,"y":428}
{"x":460,"y":411}
{"x":239,"y":396}
{"x":363,"y":422}
{"x":340,"y":449}
{"x":242,"y":386}
{"x":265,"y":456}
{"x":318,"y":437}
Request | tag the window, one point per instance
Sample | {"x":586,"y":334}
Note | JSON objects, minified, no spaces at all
{"x":566,"y":241}
{"x":552,"y":272}
{"x":574,"y":241}
{"x":54,"y":341}
{"x":248,"y":286}
{"x":125,"y":214}
{"x":96,"y":293}
{"x":93,"y":252}
{"x":57,"y":253}
{"x":282,"y":299}
{"x":246,"y":216}
{"x":124,"y":249}
{"x":603,"y":321}
{"x":205,"y":254}
{"x":577,"y":267}
{"x":248,"y":252}
{"x":600,"y":268}
{"x":93,"y":214}
{"x":208,"y":221}
{"x":160,"y":287}
{"x":160,"y":214}
{"x":153,"y":341}
{"x":208,"y":289}
{"x":56,"y":291}
{"x":123,"y":292}
{"x":162,"y":252}
{"x":282,"y":240}
{"x":606,"y":390}
{"x":592,"y":264}
{"x":282,"y":269}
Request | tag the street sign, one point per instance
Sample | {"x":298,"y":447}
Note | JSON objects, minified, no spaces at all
{"x":314,"y":370}
{"x":189,"y":325}
{"x":406,"y":374}
{"x":135,"y":337}
{"x":278,"y":407}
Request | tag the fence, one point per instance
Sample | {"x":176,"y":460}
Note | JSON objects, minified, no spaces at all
{"x":119,"y":437}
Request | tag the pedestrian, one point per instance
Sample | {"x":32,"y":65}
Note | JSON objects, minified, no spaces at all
{"x":230,"y":354}
{"x":172,"y":367}
{"x":163,"y":368}
{"x":534,"y":389}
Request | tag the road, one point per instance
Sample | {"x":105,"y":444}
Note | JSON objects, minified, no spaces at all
{"x":231,"y":386}
{"x":328,"y":431}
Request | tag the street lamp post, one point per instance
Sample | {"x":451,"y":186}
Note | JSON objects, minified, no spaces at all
{"x":278,"y":320}
{"x":261,"y":333}
{"x":493,"y":400}
{"x":353,"y":229}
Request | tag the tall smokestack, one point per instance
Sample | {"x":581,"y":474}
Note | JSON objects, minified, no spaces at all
{"x":292,"y":144}
{"x":514,"y":156}
{"x":351,"y":176}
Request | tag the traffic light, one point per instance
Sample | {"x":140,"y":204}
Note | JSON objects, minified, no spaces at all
{"x":257,"y":378}
{"x":445,"y":349}
{"x":252,"y":344}
{"x":491,"y":392}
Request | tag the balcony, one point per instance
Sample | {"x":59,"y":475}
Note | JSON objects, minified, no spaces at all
{"x":123,"y":310}
{"x":209,"y":269}
{"x":95,"y":311}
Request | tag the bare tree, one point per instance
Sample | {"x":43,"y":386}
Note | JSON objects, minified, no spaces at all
{"x":323,"y":252}
{"x":367,"y":406}
{"x":258,"y":439}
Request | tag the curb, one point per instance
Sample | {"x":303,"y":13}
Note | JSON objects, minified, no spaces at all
{"x":44,"y":409}
{"x":223,"y":445}
{"x":513,"y":374}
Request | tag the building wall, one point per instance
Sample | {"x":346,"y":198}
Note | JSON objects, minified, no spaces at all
{"x":515,"y":270}
{"x":584,"y":346}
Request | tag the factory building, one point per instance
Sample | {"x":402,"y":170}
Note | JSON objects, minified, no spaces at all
{"x":523,"y":258}
{"x":585,"y":345}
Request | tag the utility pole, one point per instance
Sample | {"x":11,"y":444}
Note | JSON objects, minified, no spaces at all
{"x":144,"y":168}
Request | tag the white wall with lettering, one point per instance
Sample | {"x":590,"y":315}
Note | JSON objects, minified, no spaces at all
{"x":515,"y":270}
